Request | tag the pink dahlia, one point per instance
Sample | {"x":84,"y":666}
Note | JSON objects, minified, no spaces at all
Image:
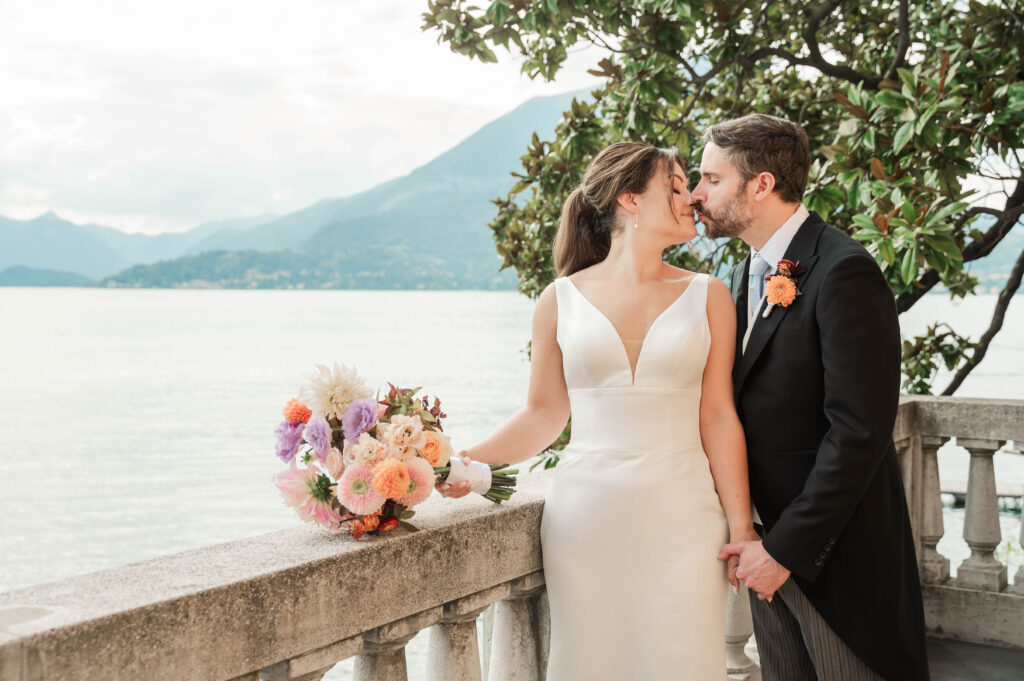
{"x":308,"y":491}
{"x":355,"y":490}
{"x":421,"y":484}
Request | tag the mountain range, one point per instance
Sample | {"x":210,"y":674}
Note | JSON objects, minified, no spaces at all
{"x":427,"y":229}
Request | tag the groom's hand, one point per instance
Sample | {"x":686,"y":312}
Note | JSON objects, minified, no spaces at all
{"x":758,"y":570}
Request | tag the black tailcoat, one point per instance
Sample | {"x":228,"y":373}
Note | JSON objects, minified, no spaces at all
{"x":817,"y":391}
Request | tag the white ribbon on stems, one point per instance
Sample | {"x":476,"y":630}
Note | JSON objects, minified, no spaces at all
{"x":477,"y":473}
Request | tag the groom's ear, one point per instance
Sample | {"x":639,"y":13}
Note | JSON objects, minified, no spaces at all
{"x":762,"y":185}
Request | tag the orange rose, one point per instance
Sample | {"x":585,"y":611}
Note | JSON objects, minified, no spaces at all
{"x":780,"y":291}
{"x":437,"y":450}
{"x":370,"y":522}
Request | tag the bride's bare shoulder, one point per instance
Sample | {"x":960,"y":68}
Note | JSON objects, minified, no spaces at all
{"x":547,"y":304}
{"x":719,"y":297}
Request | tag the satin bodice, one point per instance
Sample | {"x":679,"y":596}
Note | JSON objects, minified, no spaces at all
{"x":658,"y":408}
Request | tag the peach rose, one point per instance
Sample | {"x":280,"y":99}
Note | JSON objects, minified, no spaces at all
{"x":335,"y":463}
{"x":437,"y":450}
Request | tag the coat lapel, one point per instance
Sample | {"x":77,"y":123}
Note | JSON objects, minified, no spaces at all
{"x":802,"y":250}
{"x":739,"y":297}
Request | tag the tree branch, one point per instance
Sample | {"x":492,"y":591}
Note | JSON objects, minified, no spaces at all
{"x":904,"y":45}
{"x":810,"y":36}
{"x":998,"y":315}
{"x":1005,"y":221}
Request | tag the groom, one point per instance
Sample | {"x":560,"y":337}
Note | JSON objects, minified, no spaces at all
{"x":816,"y":381}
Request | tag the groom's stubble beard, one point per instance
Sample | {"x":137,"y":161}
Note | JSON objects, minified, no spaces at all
{"x":731,"y":220}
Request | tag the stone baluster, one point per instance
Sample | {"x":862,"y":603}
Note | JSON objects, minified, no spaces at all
{"x":313,"y":665}
{"x":934,"y":566}
{"x":487,"y":627}
{"x":909,"y":452}
{"x":981,"y":525}
{"x":453,"y":653}
{"x":383,"y":656}
{"x":1018,"y":579}
{"x":516,"y":648}
{"x":739,"y":627}
{"x":543,"y":610}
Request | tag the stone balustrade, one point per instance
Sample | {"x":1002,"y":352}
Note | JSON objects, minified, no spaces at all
{"x":289,"y":605}
{"x":979,"y":604}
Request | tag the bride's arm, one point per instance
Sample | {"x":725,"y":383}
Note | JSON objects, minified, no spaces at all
{"x":531,"y":429}
{"x":720,"y":429}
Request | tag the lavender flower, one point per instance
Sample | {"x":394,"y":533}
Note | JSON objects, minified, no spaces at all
{"x":360,"y":416}
{"x":318,"y":435}
{"x":289,"y":439}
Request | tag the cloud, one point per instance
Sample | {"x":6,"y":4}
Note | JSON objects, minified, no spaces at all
{"x":154,"y":117}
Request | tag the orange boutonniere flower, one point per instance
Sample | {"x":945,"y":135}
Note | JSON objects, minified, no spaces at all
{"x":780,"y":288}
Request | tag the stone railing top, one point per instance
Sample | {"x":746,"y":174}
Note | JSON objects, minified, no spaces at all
{"x":226,"y":610}
{"x":961,"y":417}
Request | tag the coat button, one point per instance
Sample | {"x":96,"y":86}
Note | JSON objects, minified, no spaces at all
{"x":831,"y":540}
{"x":818,"y":562}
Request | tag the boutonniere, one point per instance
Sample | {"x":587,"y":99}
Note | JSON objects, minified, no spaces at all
{"x":780,"y":288}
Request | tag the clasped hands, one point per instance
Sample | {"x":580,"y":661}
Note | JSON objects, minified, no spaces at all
{"x":748,"y":561}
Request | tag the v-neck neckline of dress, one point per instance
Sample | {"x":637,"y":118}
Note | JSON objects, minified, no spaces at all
{"x":650,"y":329}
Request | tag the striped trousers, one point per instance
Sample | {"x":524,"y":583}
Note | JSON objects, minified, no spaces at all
{"x":796,"y":644}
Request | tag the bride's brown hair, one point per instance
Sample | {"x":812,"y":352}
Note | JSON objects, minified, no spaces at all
{"x":588,"y":216}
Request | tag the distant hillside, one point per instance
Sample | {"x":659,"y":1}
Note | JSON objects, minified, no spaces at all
{"x":993,"y":269}
{"x":50,"y":243}
{"x":20,"y":275}
{"x":144,"y":248}
{"x":426,"y":229}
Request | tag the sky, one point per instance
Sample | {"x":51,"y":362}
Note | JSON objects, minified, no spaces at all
{"x":154,"y":116}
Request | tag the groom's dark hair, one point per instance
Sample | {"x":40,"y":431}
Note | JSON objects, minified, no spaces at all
{"x":759,"y":143}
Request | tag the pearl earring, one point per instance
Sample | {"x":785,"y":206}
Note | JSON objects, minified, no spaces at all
{"x":636,"y":222}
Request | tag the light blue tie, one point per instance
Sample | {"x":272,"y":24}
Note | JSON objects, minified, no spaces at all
{"x":755,"y":282}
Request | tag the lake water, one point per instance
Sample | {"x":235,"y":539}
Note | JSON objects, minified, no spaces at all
{"x":136,"y":423}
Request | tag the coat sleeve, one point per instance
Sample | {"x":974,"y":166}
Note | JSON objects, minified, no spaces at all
{"x":860,"y":354}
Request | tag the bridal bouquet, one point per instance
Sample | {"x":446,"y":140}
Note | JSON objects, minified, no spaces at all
{"x":366,"y":462}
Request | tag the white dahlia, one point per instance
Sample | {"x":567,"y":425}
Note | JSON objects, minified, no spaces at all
{"x":329,"y":392}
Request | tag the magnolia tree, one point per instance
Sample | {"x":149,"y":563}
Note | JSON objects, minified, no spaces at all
{"x":914,"y":111}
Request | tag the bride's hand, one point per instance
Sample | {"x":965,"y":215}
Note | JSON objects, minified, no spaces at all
{"x":734,"y":562}
{"x":458,"y":489}
{"x":748,"y":534}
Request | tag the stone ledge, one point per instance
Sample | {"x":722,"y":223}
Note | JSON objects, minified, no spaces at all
{"x":965,"y":417}
{"x":225,"y":610}
{"x":975,"y":616}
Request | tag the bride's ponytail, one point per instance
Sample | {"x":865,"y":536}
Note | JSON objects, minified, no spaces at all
{"x":582,"y":239}
{"x":590,"y":212}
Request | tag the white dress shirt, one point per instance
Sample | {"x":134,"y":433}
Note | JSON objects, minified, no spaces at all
{"x":773,"y":251}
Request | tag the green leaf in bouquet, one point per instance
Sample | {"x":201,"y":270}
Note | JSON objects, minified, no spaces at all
{"x":406,"y":514}
{"x":408,"y":526}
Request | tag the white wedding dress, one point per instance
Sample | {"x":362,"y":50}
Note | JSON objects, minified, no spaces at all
{"x":632,"y":525}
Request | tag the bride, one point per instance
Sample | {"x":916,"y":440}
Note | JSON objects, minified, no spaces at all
{"x":654,"y":480}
